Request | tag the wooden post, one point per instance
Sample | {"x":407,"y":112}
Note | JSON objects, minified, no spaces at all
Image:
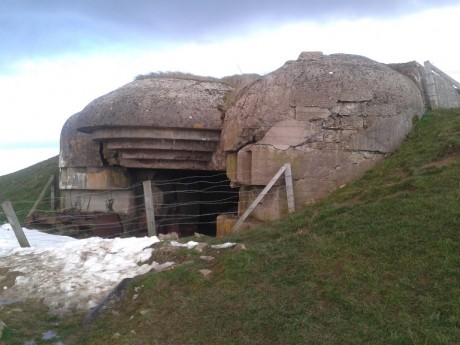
{"x":52,"y":196}
{"x":13,"y":220}
{"x":430,"y":85}
{"x":40,"y":197}
{"x":149,"y":211}
{"x":259,"y":198}
{"x":289,"y":188}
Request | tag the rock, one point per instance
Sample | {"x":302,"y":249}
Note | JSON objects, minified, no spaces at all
{"x":201,"y":246}
{"x":207,"y":258}
{"x":205,"y":272}
{"x":239,"y":247}
{"x":170,"y":236}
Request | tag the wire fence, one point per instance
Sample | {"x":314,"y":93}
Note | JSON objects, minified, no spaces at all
{"x":185,"y":205}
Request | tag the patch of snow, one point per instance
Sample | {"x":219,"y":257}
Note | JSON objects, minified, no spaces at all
{"x":188,"y":245}
{"x":37,"y":239}
{"x":70,"y":274}
{"x":223,"y":245}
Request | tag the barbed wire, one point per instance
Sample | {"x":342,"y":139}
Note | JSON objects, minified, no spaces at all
{"x":182,"y":202}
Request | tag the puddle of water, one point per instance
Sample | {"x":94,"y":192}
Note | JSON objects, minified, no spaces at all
{"x":45,"y":336}
{"x":5,"y":301}
{"x":49,"y":335}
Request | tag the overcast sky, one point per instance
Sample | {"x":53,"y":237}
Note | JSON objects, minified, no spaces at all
{"x":56,"y":55}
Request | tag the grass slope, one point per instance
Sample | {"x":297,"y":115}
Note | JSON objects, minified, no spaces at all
{"x":23,"y":187}
{"x":377,"y":262}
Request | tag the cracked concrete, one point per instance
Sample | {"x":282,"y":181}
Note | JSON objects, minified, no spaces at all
{"x":331,"y":117}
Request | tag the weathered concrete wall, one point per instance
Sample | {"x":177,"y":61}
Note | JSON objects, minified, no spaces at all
{"x":121,"y":201}
{"x":445,"y":94}
{"x":76,"y":148}
{"x":315,"y":173}
{"x":153,"y":123}
{"x":90,"y":188}
{"x":331,"y":117}
{"x":92,"y":178}
{"x":158,"y":102}
{"x":84,"y":182}
{"x":415,"y":72}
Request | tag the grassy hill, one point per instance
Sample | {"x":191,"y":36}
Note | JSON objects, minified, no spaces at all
{"x":377,"y":262}
{"x":23,"y":187}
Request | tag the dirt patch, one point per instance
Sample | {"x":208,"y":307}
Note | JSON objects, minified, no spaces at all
{"x":442,"y":162}
{"x":168,"y":254}
{"x":7,"y":280}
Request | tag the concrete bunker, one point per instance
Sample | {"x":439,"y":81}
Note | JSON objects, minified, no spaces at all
{"x":331,"y":117}
{"x":163,"y":130}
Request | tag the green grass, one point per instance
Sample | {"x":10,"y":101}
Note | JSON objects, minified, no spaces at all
{"x":27,"y":322}
{"x":376,"y":262}
{"x":23,"y":187}
{"x":177,"y":75}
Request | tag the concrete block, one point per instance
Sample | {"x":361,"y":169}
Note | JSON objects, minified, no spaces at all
{"x":224,"y":224}
{"x":122,"y":201}
{"x":384,"y":136}
{"x":109,"y":178}
{"x":231,"y":165}
{"x":244,"y":166}
{"x":266,"y":161}
{"x":306,"y":56}
{"x":271,"y":207}
{"x":93,"y":178}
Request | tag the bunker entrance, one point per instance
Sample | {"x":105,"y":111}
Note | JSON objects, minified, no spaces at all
{"x":185,"y":201}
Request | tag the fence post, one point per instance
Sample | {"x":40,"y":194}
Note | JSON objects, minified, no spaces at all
{"x":259,"y":198}
{"x":149,"y":211}
{"x":289,"y":188}
{"x":40,"y":197}
{"x":13,"y":220}
{"x":52,"y":197}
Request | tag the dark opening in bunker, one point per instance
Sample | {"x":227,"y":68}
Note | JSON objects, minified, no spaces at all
{"x":185,"y":201}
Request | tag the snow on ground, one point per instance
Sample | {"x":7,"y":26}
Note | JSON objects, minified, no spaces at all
{"x":69,"y":274}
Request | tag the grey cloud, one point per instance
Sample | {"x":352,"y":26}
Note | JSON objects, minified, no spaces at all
{"x":34,"y":28}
